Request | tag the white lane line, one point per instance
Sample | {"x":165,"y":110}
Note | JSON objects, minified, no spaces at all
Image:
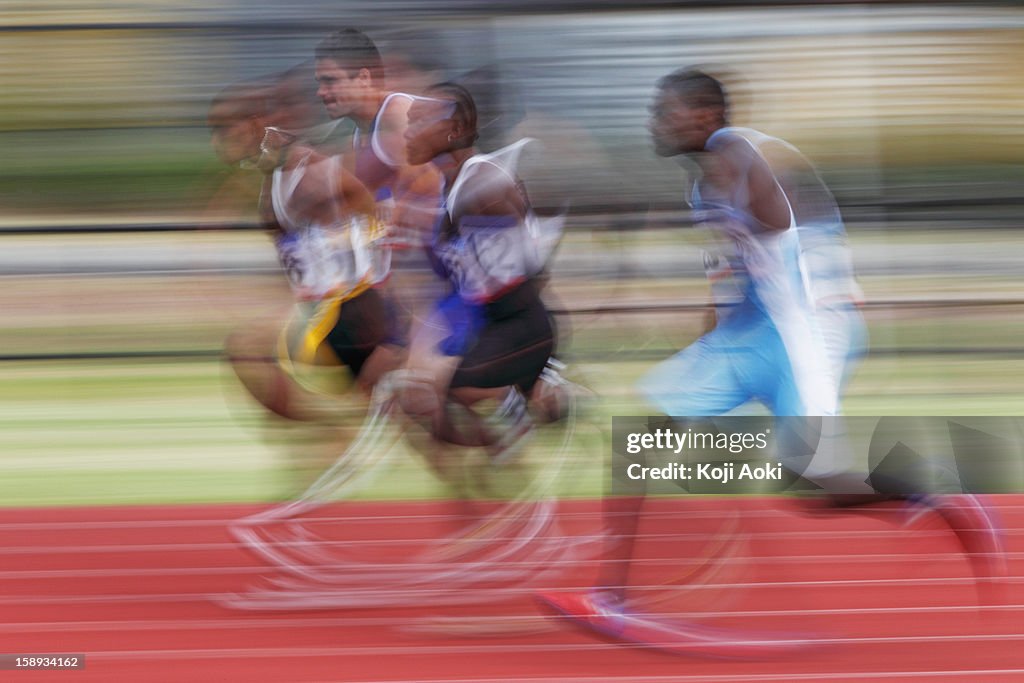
{"x":361,"y":621}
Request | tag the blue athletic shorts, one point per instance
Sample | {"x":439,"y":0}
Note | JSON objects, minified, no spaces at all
{"x":743,"y":359}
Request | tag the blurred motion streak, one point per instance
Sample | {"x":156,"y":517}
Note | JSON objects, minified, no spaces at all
{"x":135,"y":243}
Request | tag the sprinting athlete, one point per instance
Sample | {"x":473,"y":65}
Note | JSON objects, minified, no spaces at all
{"x":237,"y":119}
{"x":491,"y":337}
{"x":351,"y":85}
{"x":324,"y":226}
{"x":767,"y":343}
{"x":327,"y":235}
{"x":336,"y":211}
{"x":768,"y":338}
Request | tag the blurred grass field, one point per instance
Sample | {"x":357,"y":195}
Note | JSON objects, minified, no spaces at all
{"x":110,"y":428}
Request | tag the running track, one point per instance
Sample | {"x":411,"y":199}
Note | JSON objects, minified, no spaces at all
{"x":135,"y":588}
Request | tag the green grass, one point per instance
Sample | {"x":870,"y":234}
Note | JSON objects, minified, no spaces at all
{"x":86,"y":432}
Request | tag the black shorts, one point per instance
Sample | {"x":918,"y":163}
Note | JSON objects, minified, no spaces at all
{"x":364,"y":323}
{"x":514,"y":344}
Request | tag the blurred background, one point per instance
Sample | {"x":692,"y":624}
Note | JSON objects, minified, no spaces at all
{"x":123,"y":274}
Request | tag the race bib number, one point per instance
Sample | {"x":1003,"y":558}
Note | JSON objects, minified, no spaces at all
{"x":483,"y":260}
{"x":294,"y":261}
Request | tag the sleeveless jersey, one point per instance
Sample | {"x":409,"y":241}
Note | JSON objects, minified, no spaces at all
{"x":769,"y":274}
{"x":486,"y":256}
{"x":822,"y":249}
{"x":321,"y":257}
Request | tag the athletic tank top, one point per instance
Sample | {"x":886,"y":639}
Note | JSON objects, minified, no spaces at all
{"x":487,"y":256}
{"x":772,"y":276}
{"x":322,"y":258}
{"x":822,"y":252}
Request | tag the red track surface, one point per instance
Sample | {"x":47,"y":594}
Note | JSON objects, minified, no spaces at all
{"x":134,"y":588}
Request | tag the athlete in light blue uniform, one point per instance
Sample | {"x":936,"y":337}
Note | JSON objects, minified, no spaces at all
{"x":768,"y":343}
{"x":787,"y":276}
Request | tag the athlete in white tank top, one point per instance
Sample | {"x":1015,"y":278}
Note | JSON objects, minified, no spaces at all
{"x":327,"y":248}
{"x":486,"y":256}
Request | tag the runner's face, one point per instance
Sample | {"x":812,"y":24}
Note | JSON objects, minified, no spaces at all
{"x":675,"y":128}
{"x":340,"y":93}
{"x":430,"y":130}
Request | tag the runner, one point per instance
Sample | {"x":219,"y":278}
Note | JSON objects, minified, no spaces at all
{"x":766,"y":344}
{"x":491,"y":337}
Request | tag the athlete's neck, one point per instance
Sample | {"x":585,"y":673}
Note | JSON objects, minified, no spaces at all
{"x":450,"y":163}
{"x":708,"y":145}
{"x":366,"y":112}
